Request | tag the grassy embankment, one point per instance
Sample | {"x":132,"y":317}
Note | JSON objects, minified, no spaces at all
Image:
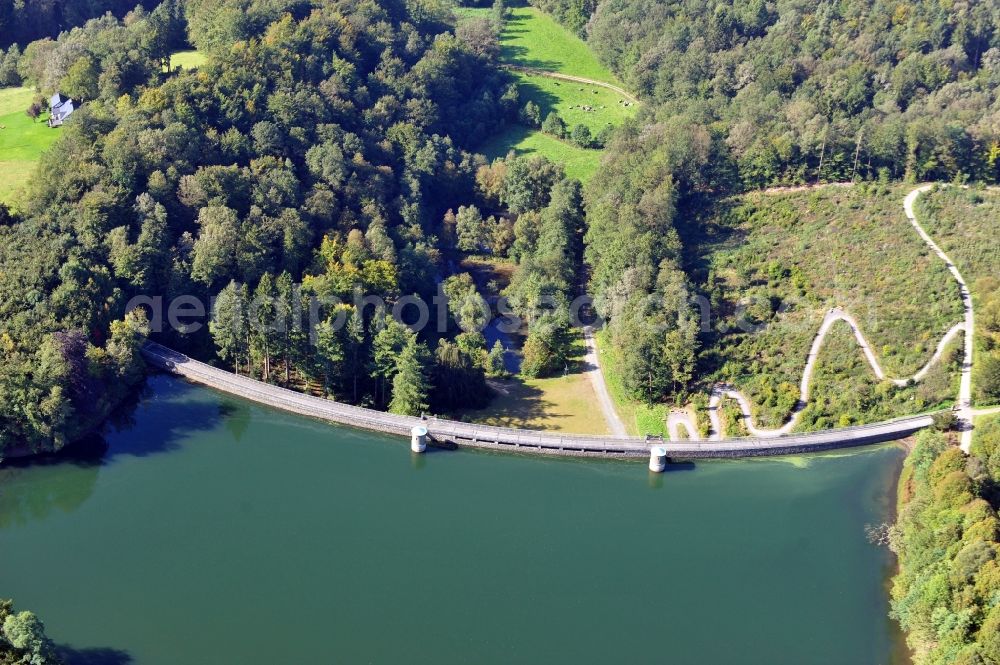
{"x":782,"y":261}
{"x":22,"y":141}
{"x":564,"y":403}
{"x":966,"y":224}
{"x":533,"y":39}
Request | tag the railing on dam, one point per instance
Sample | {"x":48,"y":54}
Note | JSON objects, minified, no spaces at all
{"x":505,"y":438}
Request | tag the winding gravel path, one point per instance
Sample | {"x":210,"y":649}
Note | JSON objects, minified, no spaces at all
{"x":964,"y":404}
{"x":964,"y":409}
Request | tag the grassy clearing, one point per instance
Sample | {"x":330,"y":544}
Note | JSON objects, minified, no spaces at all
{"x":579,"y":163}
{"x":565,"y":403}
{"x":22,"y":141}
{"x":570,"y":101}
{"x":781,"y":262}
{"x":187,"y":59}
{"x":533,"y":39}
{"x":639,"y":418}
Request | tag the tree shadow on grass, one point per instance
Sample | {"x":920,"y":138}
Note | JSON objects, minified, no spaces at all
{"x":93,"y":656}
{"x":516,"y":405}
{"x":546,"y":101}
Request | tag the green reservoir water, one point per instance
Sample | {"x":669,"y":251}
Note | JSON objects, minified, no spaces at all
{"x":215,"y":531}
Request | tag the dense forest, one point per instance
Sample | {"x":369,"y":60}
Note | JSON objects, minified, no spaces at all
{"x":321,"y":141}
{"x":24,"y":21}
{"x":947,"y":538}
{"x":799,"y":91}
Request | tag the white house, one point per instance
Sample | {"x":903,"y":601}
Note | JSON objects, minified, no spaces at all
{"x":60,"y":108}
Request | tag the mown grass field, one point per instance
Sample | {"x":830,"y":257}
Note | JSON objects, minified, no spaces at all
{"x":579,"y":163}
{"x":576,"y":103}
{"x":187,"y":59}
{"x":565,"y":403}
{"x":774,"y":264}
{"x":22,"y":141}
{"x":533,"y":39}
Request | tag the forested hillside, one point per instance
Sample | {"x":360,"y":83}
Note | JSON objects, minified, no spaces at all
{"x":947,"y":539}
{"x":339,"y":124}
{"x":746,"y":95}
{"x":23,"y":21}
{"x":803,"y":91}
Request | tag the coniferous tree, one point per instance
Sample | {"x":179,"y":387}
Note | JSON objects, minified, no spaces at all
{"x":228,"y":324}
{"x":287,"y":328}
{"x":387,"y":344}
{"x":495,"y":365}
{"x":328,"y":354}
{"x":355,"y":349}
{"x":263,"y":318}
{"x":410,"y":386}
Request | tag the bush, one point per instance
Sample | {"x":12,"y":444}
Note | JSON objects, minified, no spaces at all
{"x":944,"y":421}
{"x":554,"y":125}
{"x":581,"y":136}
{"x":531,"y":115}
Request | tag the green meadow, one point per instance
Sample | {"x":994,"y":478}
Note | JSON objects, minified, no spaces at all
{"x":576,"y":103}
{"x":579,"y":163}
{"x":533,"y":39}
{"x":187,"y":59}
{"x":22,"y":141}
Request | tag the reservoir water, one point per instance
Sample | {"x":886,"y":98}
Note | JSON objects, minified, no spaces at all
{"x":215,"y":531}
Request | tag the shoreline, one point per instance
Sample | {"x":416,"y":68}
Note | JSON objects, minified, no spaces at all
{"x":473,"y":435}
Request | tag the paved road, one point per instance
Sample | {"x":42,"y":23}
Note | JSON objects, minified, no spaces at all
{"x":593,"y":365}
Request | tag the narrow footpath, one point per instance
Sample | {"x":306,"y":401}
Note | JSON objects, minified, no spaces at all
{"x":593,"y":365}
{"x":964,"y":404}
